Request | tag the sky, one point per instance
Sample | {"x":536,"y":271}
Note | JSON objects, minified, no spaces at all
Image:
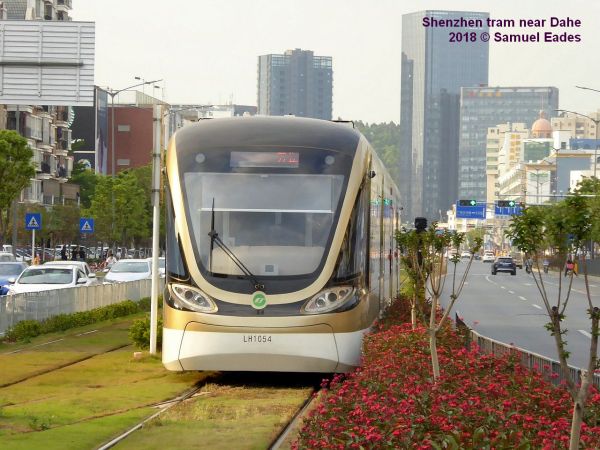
{"x":206,"y":51}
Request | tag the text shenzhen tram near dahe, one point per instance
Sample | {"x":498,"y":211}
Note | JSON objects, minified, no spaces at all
{"x":280,"y":251}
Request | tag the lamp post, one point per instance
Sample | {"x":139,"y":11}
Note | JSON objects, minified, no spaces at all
{"x":112,"y":94}
{"x":596,"y":122}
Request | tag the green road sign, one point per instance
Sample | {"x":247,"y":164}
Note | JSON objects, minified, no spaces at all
{"x":259,"y":300}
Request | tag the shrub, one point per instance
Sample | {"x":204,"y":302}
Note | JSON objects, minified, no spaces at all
{"x":139,"y":333}
{"x":28,"y":329}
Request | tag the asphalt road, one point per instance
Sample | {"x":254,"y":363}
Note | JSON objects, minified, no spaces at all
{"x":510,"y":309}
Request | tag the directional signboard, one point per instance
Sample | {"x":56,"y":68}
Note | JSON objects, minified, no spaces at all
{"x":33,"y":221}
{"x":508,"y":210}
{"x":470,"y":211}
{"x":86,"y":225}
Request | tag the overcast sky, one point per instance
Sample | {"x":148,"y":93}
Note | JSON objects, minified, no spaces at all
{"x":207,"y":50}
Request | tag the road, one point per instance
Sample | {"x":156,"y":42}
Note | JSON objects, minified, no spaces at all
{"x":510,"y":309}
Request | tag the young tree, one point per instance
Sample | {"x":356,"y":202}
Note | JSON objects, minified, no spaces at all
{"x":87,"y":180}
{"x":427,"y":253}
{"x":16,"y":171}
{"x":567,"y":228}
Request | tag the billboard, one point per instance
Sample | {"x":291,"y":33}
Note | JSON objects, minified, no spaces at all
{"x":101,"y":147}
{"x":47,"y":62}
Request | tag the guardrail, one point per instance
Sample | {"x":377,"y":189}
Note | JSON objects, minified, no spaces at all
{"x":42,"y":305}
{"x":549,"y":368}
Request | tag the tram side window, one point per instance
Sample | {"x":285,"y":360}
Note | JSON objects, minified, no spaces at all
{"x":353,"y":254}
{"x":174,"y":260}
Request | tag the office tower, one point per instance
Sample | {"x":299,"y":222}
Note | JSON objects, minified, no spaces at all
{"x":485,"y":107}
{"x":297,"y":83}
{"x":433,"y":72}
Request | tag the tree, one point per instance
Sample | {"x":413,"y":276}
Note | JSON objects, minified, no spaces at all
{"x":426,"y":258}
{"x":87,"y":180}
{"x":16,"y":171}
{"x":565,"y":228}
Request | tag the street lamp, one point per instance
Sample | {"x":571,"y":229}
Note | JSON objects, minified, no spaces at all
{"x":112,"y":94}
{"x":596,"y":122}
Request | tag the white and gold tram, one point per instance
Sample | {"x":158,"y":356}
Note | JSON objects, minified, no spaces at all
{"x":280,"y":249}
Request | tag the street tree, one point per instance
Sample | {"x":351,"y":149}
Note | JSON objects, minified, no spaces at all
{"x":16,"y":171}
{"x":566,"y":229}
{"x":426,"y":257}
{"x":87,"y":180}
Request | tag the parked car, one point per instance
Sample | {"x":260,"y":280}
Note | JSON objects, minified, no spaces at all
{"x":79,"y":264}
{"x":129,"y":270}
{"x":465,"y":255}
{"x":9,"y":272}
{"x":7,"y":257}
{"x":48,"y":277}
{"x":488,"y":257}
{"x":504,"y":264}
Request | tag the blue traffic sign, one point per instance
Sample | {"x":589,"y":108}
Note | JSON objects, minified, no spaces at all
{"x":33,"y":221}
{"x":508,"y":211}
{"x":86,"y":225}
{"x":470,"y":212}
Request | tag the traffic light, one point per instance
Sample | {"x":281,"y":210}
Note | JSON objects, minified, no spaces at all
{"x":467,"y":202}
{"x":506,"y":203}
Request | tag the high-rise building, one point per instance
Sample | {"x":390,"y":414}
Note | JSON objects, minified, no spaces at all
{"x":485,"y":107}
{"x":297,"y":82}
{"x":46,"y":128}
{"x":434,"y":69}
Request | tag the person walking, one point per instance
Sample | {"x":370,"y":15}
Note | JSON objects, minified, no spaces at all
{"x":576,"y":268}
{"x":63,"y":253}
{"x":110,"y":261}
{"x":546,"y":265}
{"x":569,"y":267}
{"x":81,"y":254}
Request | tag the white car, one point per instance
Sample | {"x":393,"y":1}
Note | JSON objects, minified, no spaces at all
{"x":465,"y":255}
{"x":79,"y":264}
{"x":7,"y":257}
{"x":161,"y":266}
{"x":488,"y":257}
{"x":49,"y":277}
{"x":129,"y":270}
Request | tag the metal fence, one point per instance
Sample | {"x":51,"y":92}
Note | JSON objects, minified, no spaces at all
{"x":42,"y":305}
{"x":549,"y":368}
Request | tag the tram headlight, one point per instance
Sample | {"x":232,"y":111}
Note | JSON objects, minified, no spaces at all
{"x":189,"y":297}
{"x":330,"y":299}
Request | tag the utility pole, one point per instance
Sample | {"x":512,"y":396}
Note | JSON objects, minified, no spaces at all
{"x":157,"y":117}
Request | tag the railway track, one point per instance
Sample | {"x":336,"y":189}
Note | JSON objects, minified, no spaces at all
{"x":247,"y":391}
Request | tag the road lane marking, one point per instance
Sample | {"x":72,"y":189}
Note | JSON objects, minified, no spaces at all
{"x":593,"y":285}
{"x":585,"y":333}
{"x":536,"y":306}
{"x":502,"y":287}
{"x":522,"y":298}
{"x":34,"y":346}
{"x":487,"y":277}
{"x":87,"y":332}
{"x":511,"y":292}
{"x":527,"y":284}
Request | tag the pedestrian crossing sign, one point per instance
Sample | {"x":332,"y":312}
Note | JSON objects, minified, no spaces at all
{"x":33,"y":221}
{"x":86,"y":225}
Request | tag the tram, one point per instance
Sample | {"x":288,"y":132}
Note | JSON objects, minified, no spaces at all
{"x":280,"y":245}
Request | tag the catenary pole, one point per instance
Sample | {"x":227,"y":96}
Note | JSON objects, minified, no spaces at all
{"x":157,"y":116}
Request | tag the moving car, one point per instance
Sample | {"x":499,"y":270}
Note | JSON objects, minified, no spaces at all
{"x":49,"y":277}
{"x":518,"y":260}
{"x":488,"y":257}
{"x":504,"y":264}
{"x":9,"y":272}
{"x":465,"y":255}
{"x":129,"y":270}
{"x":79,"y":264}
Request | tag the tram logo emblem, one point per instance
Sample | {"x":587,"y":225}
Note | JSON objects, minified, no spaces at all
{"x":259,"y":300}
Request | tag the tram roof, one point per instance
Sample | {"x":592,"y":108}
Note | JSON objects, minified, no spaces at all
{"x":267,"y":131}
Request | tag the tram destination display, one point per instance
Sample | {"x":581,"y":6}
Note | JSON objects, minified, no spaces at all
{"x":287,"y":160}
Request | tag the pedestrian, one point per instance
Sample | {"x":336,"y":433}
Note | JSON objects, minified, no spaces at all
{"x":36,"y":260}
{"x":569,"y":267}
{"x":110,"y":261}
{"x":63,"y":253}
{"x":576,"y":268}
{"x":546,"y":265}
{"x":74,"y":254}
{"x":81,"y":254}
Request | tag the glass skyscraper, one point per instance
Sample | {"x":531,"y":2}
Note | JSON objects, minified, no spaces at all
{"x":484,"y":107}
{"x":297,"y":83}
{"x":433,"y":72}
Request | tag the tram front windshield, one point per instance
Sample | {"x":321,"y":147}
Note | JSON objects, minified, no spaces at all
{"x":275,"y":213}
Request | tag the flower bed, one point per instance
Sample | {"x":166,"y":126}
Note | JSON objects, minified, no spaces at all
{"x":479,"y":402}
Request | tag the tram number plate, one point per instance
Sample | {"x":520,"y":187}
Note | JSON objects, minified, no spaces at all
{"x":257,"y":338}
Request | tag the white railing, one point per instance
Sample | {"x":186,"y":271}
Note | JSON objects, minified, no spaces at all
{"x":42,"y":305}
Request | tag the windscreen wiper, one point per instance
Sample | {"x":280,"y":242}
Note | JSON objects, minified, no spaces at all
{"x":215,"y":239}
